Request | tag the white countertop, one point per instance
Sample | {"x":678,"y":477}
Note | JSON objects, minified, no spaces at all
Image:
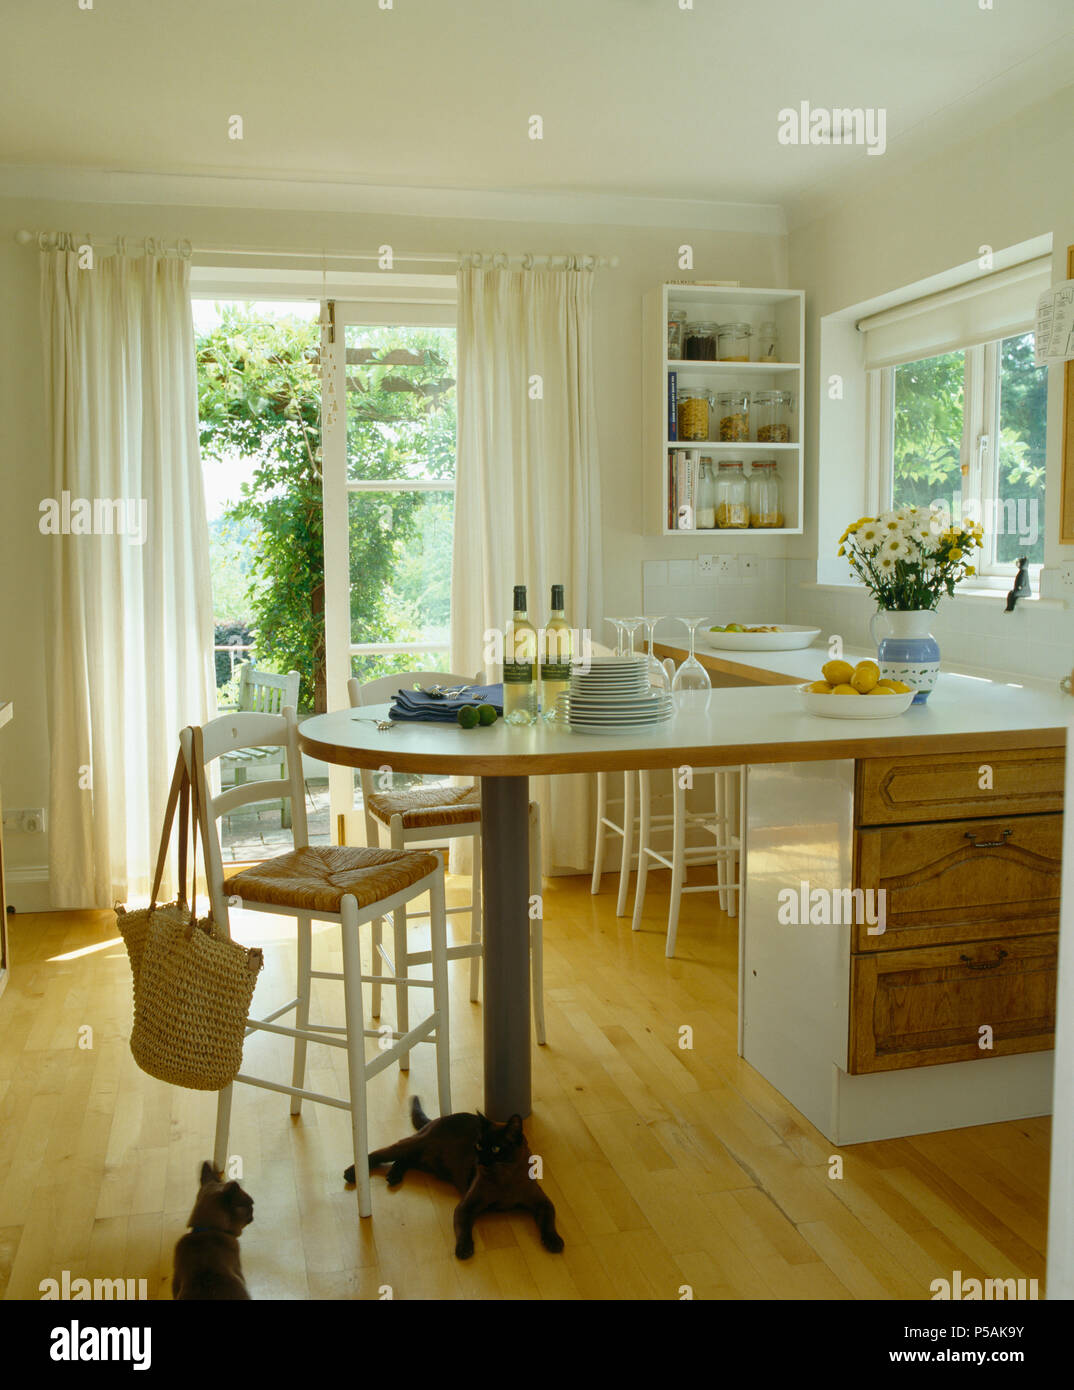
{"x":723,"y":727}
{"x":806,"y":663}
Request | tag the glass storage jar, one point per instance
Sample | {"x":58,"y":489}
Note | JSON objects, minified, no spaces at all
{"x":766,"y":494}
{"x":734,"y":413}
{"x":772,"y":416}
{"x":734,"y":342}
{"x":676,"y":325}
{"x":767,"y":343}
{"x":699,"y":342}
{"x":693,"y":413}
{"x":706,"y":497}
{"x":732,"y":495}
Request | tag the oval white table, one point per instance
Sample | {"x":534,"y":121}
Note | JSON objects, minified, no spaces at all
{"x":723,"y":728}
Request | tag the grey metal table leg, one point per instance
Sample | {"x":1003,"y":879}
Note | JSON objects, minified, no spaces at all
{"x":505,"y":861}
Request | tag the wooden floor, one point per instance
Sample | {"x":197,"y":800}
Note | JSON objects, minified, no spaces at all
{"x":668,"y":1167}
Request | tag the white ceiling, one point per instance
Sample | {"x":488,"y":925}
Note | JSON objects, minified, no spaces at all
{"x":638,"y":98}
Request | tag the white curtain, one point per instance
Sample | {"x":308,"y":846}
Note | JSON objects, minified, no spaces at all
{"x":131,"y":617}
{"x":527,"y":505}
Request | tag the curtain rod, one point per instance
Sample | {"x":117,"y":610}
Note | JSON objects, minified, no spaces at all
{"x":47,"y":241}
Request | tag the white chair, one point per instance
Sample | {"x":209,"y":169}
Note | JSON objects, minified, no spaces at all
{"x":332,"y":884}
{"x":433,"y":814}
{"x":724,"y":823}
{"x":262,"y":692}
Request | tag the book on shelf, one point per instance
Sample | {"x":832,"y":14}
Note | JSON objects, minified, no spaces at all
{"x":685,"y":475}
{"x":673,"y":405}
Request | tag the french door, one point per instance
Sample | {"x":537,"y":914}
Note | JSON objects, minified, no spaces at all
{"x":388,"y":453}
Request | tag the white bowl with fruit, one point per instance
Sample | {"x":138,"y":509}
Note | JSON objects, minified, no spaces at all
{"x":757,"y":637}
{"x":855,"y":692}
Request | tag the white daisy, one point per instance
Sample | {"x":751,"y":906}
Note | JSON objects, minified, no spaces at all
{"x":885,"y":564}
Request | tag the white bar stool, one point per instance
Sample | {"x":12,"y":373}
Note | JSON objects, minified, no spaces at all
{"x":627,"y":827}
{"x":431,"y":815}
{"x":726,"y":852}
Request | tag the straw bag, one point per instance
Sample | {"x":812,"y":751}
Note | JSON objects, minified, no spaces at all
{"x":192,"y":985}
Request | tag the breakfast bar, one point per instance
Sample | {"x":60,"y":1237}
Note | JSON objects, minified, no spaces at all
{"x":820,"y":792}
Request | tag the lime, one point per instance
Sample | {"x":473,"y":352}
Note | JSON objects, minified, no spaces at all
{"x":486,"y":714}
{"x":468,"y":716}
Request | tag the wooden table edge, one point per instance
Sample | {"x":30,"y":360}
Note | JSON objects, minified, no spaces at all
{"x":694,"y":755}
{"x":730,"y":665}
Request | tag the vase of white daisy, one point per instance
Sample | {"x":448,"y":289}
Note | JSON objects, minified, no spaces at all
{"x":908,"y":559}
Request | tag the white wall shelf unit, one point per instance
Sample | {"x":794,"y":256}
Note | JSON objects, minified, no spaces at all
{"x":723,"y":304}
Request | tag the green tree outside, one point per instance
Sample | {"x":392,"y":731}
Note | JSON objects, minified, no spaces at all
{"x":259,"y":398}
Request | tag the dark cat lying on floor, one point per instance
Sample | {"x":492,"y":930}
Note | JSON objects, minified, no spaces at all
{"x":489,"y":1163}
{"x":207,"y":1257}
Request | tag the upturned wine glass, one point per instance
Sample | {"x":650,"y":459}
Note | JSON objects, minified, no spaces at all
{"x":658,"y":677}
{"x":618,"y":624}
{"x":691,"y":675}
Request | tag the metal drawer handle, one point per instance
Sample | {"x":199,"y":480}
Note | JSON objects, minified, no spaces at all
{"x":984,"y":964}
{"x":987,"y":844}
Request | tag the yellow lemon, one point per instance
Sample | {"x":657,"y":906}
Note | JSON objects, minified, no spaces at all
{"x":901,"y":688}
{"x":880,"y":690}
{"x":886,"y":683}
{"x":866,"y":674}
{"x":820,"y":688}
{"x":844,"y":690}
{"x":837,"y":672}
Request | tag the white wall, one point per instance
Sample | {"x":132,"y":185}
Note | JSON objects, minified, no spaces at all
{"x":1008,"y":186}
{"x":647,"y":255}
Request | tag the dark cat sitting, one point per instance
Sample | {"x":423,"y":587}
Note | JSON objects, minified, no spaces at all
{"x":207,"y":1257}
{"x":487,"y":1162}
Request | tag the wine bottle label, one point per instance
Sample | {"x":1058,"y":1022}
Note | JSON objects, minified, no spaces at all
{"x":555,"y":670}
{"x":518,"y":673}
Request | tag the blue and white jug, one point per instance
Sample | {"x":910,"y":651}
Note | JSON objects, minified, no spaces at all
{"x":909,"y":653}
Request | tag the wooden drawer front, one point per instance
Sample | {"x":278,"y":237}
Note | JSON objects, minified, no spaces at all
{"x":920,"y":1008}
{"x":959,"y":881}
{"x":891,"y":791}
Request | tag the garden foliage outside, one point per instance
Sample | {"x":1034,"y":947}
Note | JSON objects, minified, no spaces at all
{"x":928,"y":437}
{"x":259,"y":399}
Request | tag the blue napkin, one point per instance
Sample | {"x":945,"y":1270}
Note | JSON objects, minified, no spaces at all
{"x":420,"y":705}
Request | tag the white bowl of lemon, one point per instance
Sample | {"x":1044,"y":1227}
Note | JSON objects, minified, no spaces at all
{"x":855,"y":692}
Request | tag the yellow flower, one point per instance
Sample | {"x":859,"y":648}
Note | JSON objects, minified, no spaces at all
{"x":842,"y":550}
{"x":956,"y":554}
{"x":970,"y":569}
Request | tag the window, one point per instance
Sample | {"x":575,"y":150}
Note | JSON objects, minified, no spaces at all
{"x":967,"y":428}
{"x":400,"y":442}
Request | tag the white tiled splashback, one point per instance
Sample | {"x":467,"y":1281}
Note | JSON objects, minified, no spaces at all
{"x":678,"y":589}
{"x":1032,"y":641}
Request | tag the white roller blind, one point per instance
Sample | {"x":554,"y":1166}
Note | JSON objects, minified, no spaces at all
{"x":979,"y":311}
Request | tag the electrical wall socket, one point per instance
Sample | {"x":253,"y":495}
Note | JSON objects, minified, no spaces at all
{"x":749,"y":566}
{"x":1064,"y":578}
{"x":706,"y":564}
{"x":29,"y":822}
{"x":726,"y":566}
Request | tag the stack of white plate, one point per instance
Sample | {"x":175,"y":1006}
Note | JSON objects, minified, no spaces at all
{"x":612,"y":696}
